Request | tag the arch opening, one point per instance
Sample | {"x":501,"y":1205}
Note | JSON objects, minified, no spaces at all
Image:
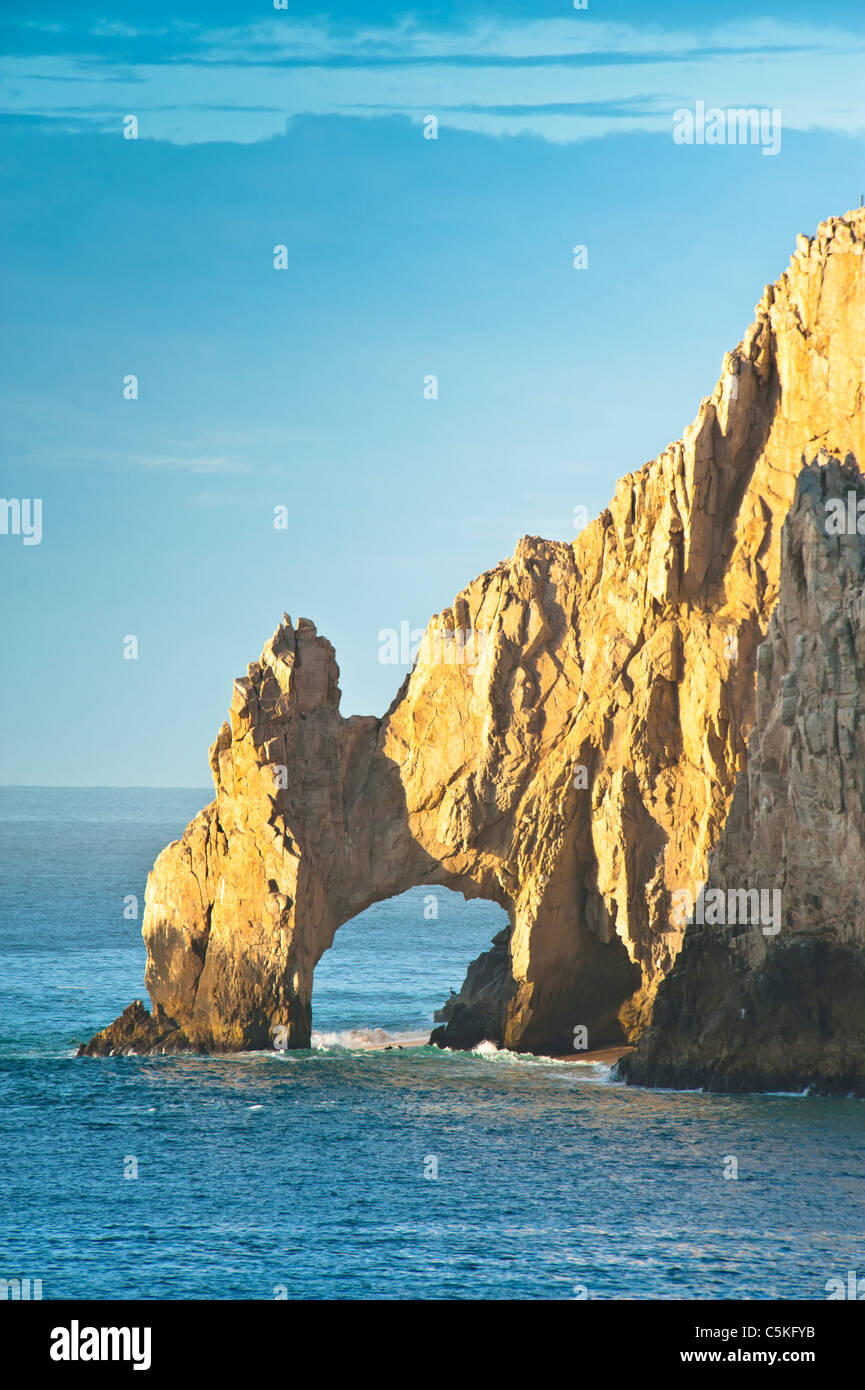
{"x":390,"y":968}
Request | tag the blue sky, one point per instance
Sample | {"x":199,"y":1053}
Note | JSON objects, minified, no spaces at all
{"x":406,"y":257}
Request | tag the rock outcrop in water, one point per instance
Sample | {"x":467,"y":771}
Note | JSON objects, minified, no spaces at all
{"x":136,"y":1030}
{"x":566,"y":744}
{"x":777,"y":1002}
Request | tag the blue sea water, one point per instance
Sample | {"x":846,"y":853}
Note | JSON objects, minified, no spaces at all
{"x":309,"y":1174}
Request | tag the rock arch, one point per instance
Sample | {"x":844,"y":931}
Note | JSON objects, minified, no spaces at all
{"x":577,"y":771}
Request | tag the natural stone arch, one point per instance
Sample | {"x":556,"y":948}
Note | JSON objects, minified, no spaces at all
{"x":578,"y":771}
{"x":317,"y":817}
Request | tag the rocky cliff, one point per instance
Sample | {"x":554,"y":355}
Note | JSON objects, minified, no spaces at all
{"x":566,"y":744}
{"x":768,"y":992}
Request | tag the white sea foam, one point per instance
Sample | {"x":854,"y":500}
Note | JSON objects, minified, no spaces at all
{"x":491,"y":1052}
{"x":366,"y":1039}
{"x":592,"y":1071}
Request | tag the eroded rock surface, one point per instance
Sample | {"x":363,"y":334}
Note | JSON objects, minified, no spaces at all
{"x":777,"y":1002}
{"x":573,"y":758}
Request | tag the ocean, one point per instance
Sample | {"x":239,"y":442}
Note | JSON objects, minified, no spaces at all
{"x":349,"y":1170}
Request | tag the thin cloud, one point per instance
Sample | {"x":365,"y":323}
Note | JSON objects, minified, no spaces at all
{"x":191,"y":463}
{"x":559,"y":80}
{"x":204,"y":464}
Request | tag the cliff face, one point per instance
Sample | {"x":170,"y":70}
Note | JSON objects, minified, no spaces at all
{"x":567,"y":743}
{"x":771,"y":995}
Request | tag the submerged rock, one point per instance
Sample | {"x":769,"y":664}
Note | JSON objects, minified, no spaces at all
{"x":566,"y":744}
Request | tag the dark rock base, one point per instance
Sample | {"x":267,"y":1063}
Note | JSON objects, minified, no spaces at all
{"x":796,"y":1024}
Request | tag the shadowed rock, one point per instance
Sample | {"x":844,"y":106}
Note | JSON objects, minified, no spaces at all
{"x":136,"y":1030}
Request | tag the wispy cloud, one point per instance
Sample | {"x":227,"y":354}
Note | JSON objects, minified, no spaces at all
{"x":191,"y":463}
{"x":186,"y":462}
{"x":566,"y":79}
